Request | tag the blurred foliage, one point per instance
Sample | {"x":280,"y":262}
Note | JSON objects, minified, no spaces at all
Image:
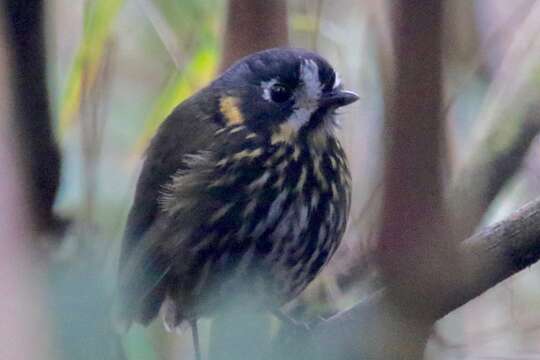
{"x":194,"y":21}
{"x":304,"y":22}
{"x":148,"y":84}
{"x":194,"y":26}
{"x":198,"y":72}
{"x":99,"y":17}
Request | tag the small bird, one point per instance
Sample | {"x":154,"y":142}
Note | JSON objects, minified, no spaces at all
{"x":245,"y":189}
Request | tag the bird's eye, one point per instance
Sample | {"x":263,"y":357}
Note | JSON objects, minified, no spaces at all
{"x":280,"y":93}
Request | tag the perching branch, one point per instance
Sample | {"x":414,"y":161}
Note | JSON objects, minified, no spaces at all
{"x":495,"y":254}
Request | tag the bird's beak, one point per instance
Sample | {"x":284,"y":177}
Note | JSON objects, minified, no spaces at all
{"x":337,"y":98}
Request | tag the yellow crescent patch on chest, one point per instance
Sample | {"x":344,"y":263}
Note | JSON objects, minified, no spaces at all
{"x":229,"y":107}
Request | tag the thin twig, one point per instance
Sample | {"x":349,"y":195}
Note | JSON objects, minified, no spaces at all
{"x":164,"y":31}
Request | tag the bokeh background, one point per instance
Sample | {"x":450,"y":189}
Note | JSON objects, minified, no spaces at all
{"x":117,"y":68}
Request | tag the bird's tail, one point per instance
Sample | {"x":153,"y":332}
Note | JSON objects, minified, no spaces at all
{"x":121,"y":319}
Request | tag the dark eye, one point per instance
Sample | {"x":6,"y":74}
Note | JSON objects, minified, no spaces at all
{"x":280,"y":93}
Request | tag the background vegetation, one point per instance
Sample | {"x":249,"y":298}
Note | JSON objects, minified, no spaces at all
{"x":116,"y":68}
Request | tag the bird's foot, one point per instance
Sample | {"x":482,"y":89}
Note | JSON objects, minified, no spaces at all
{"x":290,"y":324}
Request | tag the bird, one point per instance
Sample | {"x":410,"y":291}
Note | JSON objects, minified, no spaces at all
{"x":244,"y":189}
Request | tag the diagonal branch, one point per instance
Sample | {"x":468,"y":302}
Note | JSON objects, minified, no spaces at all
{"x":495,"y":254}
{"x":495,"y":159}
{"x":374,"y":329}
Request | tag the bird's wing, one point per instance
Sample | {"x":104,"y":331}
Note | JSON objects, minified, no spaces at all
{"x":195,"y":214}
{"x":158,"y":257}
{"x":186,"y":130}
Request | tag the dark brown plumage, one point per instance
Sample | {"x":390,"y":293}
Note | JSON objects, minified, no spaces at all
{"x":244,"y":193}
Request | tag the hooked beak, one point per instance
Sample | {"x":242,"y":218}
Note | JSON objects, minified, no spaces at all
{"x":337,"y":98}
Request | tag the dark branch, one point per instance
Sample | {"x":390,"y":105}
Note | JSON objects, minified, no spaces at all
{"x":413,"y":127}
{"x":495,"y":254}
{"x":413,"y":222}
{"x":495,"y":159}
{"x":253,"y":25}
{"x":32,"y":119}
{"x":20,"y":283}
{"x":376,"y":329}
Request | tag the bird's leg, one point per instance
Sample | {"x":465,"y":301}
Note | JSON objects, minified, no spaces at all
{"x":299,"y":326}
{"x":195,"y":334}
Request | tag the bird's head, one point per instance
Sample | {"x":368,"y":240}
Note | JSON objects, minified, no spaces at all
{"x":283,"y":93}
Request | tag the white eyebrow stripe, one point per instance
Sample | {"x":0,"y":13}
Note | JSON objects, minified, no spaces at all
{"x":337,"y":81}
{"x":307,"y":95}
{"x":309,"y":75}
